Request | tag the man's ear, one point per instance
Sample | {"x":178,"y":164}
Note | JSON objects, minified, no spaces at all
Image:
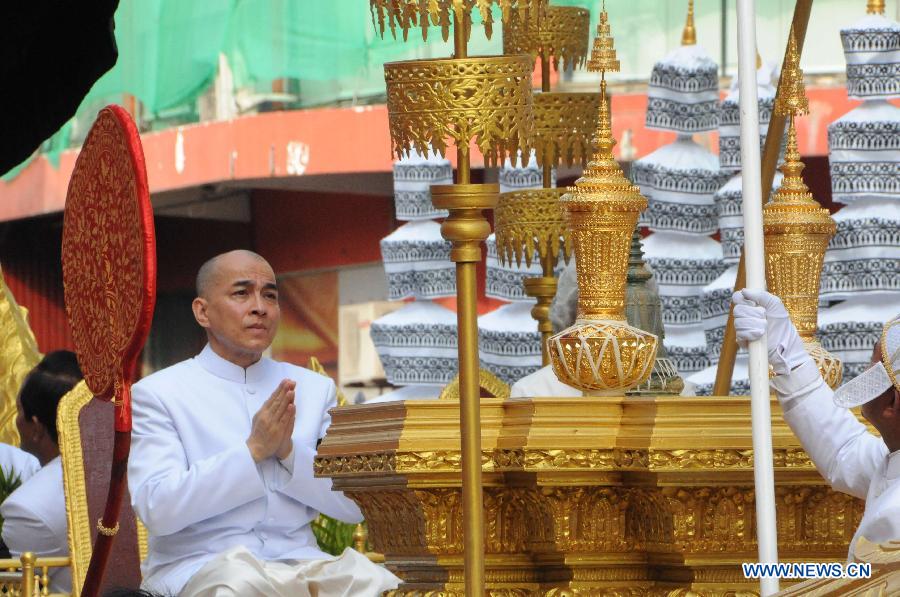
{"x":199,"y":308}
{"x":892,"y":408}
{"x":37,"y":428}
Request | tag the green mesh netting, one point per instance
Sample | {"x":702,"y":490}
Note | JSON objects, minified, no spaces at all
{"x":169,"y":54}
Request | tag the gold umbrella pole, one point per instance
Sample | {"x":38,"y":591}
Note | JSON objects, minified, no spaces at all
{"x":486,"y":100}
{"x":530,"y":221}
{"x":725,"y":369}
{"x":466,"y":228}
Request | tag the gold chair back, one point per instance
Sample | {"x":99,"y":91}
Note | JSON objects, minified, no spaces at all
{"x":86,"y":431}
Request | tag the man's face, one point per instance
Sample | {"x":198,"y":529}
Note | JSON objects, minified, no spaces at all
{"x":875,"y":410}
{"x":240,"y":308}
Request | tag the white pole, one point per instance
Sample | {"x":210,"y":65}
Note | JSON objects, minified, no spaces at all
{"x":754,"y":256}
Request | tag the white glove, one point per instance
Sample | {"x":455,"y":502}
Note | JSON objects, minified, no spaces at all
{"x":757,"y":312}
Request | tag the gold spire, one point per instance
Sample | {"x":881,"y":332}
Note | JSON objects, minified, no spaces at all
{"x":603,"y":174}
{"x":791,"y":98}
{"x":603,"y":54}
{"x":793,"y":189}
{"x":689,"y":35}
{"x":875,"y":7}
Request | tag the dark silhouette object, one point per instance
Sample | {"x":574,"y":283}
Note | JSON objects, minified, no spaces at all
{"x":52,"y":53}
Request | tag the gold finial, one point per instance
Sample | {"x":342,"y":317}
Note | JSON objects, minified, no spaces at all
{"x":793,"y":189}
{"x":791,"y":99}
{"x":875,"y":7}
{"x":758,"y":61}
{"x":603,"y":54}
{"x":689,"y":36}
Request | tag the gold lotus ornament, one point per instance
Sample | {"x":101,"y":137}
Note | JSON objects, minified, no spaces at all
{"x":601,"y":353}
{"x":797,"y":230}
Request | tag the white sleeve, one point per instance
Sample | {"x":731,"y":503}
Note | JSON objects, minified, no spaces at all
{"x":518,"y":391}
{"x":314,"y":492}
{"x":25,"y":530}
{"x":166,"y":493}
{"x":843,"y":450}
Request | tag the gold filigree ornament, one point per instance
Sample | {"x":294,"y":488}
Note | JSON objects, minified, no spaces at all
{"x":528,"y":222}
{"x":561,"y":34}
{"x":486,"y":99}
{"x":798,"y":229}
{"x":406,"y":14}
{"x":601,"y":353}
{"x":564,"y":124}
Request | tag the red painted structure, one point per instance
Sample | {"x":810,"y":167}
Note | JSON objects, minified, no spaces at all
{"x":318,"y":185}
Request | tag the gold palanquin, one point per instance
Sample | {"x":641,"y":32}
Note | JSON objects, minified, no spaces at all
{"x":582,"y":496}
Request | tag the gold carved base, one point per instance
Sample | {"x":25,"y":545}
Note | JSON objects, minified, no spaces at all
{"x":582,"y":496}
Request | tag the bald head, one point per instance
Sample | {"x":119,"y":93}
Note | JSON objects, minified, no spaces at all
{"x":212,"y":269}
{"x":237,"y":304}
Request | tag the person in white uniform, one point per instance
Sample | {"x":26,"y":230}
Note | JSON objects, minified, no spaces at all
{"x":563,"y":310}
{"x":34,"y":515}
{"x":850,"y":458}
{"x":221,"y":466}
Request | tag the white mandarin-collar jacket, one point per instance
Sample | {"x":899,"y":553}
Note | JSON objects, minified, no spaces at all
{"x":34,"y":519}
{"x":850,"y":458}
{"x":542,"y":382}
{"x":193,"y":482}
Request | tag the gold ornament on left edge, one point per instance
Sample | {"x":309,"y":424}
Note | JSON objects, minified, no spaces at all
{"x":798,"y":230}
{"x":601,"y":353}
{"x":486,"y":99}
{"x":18,"y":355}
{"x":407,"y":14}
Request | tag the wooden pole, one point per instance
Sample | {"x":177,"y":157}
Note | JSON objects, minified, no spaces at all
{"x":725,"y":370}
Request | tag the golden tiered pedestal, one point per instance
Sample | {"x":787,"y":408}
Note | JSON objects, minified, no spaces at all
{"x":582,"y":496}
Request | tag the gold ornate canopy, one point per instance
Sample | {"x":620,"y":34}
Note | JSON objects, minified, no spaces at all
{"x":407,"y":14}
{"x":485,"y":99}
{"x":530,"y":222}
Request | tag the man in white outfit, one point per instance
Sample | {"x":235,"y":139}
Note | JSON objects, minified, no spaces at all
{"x":563,"y":311}
{"x":221,"y":467}
{"x":850,"y":458}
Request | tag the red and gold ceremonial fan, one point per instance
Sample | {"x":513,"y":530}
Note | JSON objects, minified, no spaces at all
{"x":109,"y":276}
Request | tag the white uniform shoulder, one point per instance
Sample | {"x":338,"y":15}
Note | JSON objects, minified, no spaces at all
{"x":174,"y":374}
{"x":41,"y":501}
{"x":15,"y":461}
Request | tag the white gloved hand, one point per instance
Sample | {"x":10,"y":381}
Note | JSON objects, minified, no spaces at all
{"x":757,"y":312}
